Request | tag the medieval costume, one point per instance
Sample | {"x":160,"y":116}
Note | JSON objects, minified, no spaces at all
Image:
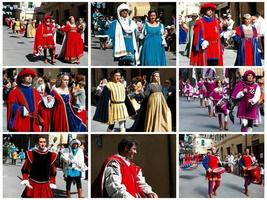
{"x":101,"y":31}
{"x":248,"y":48}
{"x":120,"y":178}
{"x":202,"y":93}
{"x":114,"y":106}
{"x":74,"y":43}
{"x":17,"y":27}
{"x":188,"y":90}
{"x":190,"y":36}
{"x":31,"y":30}
{"x":39,"y":173}
{"x":183,"y":31}
{"x":44,"y":39}
{"x":64,"y":117}
{"x":248,"y":93}
{"x":207,"y":49}
{"x":210,"y":162}
{"x":153,"y":51}
{"x":73,"y":166}
{"x":219,"y":99}
{"x":246,"y":162}
{"x":123,"y":35}
{"x":210,"y":85}
{"x":154,"y":114}
{"x":24,"y":106}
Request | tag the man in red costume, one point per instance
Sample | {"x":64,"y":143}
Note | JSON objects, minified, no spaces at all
{"x":39,"y":171}
{"x":24,"y":105}
{"x":207,"y":48}
{"x":246,"y":162}
{"x":44,"y":39}
{"x":210,"y":162}
{"x":120,"y":177}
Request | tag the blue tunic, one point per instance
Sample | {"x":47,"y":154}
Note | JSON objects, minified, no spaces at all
{"x":128,"y":40}
{"x":75,"y":124}
{"x":153,"y":52}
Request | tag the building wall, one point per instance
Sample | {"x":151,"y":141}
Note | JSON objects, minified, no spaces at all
{"x":62,"y":11}
{"x":231,"y":142}
{"x":237,"y":10}
{"x":158,"y":164}
{"x":141,"y":8}
{"x":98,"y":74}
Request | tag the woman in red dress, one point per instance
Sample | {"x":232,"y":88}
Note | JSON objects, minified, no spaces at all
{"x":74,"y":42}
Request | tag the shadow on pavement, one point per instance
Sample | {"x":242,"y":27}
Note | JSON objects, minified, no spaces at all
{"x":188,"y":176}
{"x":33,"y":58}
{"x":234,"y":187}
{"x":61,"y":193}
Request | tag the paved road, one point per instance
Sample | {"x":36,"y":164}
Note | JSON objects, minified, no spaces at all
{"x":192,"y":184}
{"x":104,"y":57}
{"x":13,"y":189}
{"x":100,"y":127}
{"x":193,"y":118}
{"x":18,"y":52}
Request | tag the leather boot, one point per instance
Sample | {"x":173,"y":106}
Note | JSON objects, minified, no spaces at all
{"x":80,"y":193}
{"x":68,"y":194}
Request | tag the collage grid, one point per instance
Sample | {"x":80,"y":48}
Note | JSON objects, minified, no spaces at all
{"x":167,"y":147}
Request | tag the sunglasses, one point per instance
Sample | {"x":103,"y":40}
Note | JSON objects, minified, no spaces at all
{"x":124,"y":10}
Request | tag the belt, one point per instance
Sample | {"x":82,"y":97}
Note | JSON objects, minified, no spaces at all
{"x":117,"y":102}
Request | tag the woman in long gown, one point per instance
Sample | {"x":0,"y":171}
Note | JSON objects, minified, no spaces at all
{"x":153,"y":49}
{"x":154,"y":115}
{"x":248,"y":47}
{"x":74,"y":42}
{"x":64,"y":117}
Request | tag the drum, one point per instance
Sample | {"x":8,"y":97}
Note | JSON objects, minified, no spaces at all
{"x":218,"y":170}
{"x":255,"y":174}
{"x":186,"y":165}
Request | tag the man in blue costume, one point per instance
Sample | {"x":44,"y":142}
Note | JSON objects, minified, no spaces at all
{"x":123,"y":34}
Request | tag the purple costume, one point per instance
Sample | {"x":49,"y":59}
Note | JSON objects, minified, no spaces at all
{"x":217,"y":96}
{"x":247,"y":110}
{"x":202,"y":89}
{"x":210,"y":85}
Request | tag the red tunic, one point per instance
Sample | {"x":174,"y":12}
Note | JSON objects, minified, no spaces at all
{"x":44,"y":38}
{"x":74,"y":43}
{"x":247,"y":163}
{"x":209,"y":31}
{"x":213,"y":163}
{"x":129,"y":178}
{"x":15,"y":119}
{"x":40,"y":188}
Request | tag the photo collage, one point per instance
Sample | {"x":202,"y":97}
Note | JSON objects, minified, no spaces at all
{"x":133,"y":99}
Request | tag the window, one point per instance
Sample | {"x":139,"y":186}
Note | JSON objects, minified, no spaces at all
{"x":30,"y":5}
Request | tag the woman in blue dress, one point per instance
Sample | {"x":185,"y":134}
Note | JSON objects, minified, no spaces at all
{"x":64,"y":117}
{"x":153,"y":49}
